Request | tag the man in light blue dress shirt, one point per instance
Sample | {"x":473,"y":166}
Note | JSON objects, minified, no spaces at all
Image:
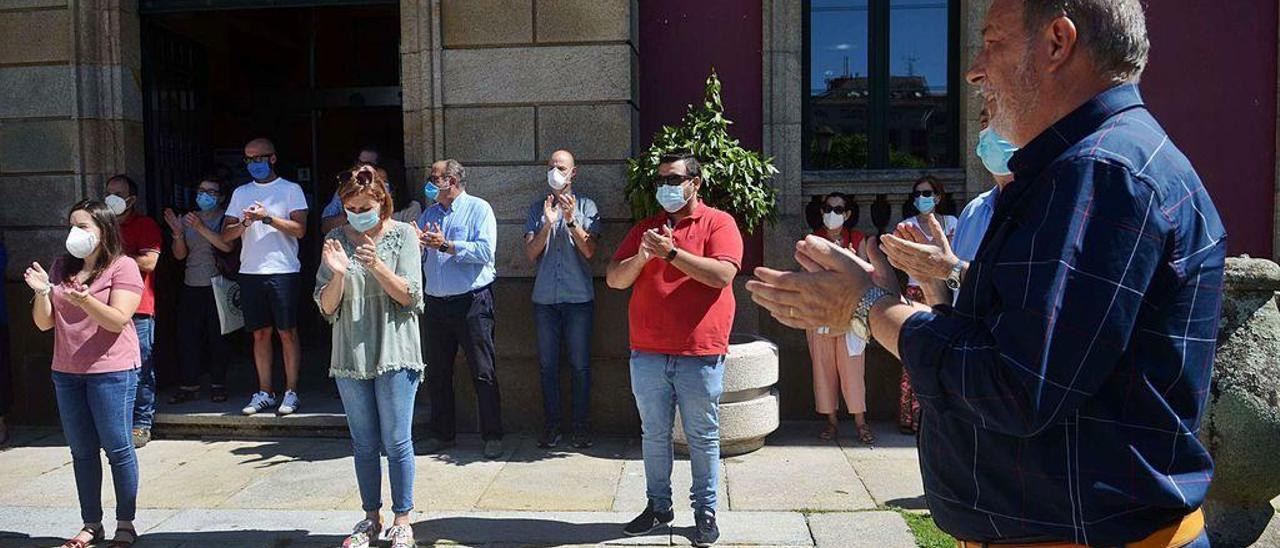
{"x":459,"y":236}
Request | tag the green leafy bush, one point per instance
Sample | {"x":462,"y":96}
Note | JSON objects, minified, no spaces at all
{"x":734,"y":179}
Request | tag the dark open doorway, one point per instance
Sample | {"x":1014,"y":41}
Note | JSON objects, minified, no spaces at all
{"x":320,"y":78}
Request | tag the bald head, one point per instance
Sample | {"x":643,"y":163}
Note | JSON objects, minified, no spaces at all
{"x":562,"y":159}
{"x":261,"y":146}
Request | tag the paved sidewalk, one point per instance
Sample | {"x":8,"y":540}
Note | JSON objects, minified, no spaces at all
{"x":797,"y":491}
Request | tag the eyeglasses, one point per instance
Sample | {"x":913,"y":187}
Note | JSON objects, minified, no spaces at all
{"x":674,"y":180}
{"x":838,"y":210}
{"x":262,"y":158}
{"x":208,"y":191}
{"x":922,"y":194}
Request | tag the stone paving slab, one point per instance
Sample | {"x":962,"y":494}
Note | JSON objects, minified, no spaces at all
{"x":869,"y":529}
{"x":749,"y":528}
{"x":796,"y":471}
{"x":632,"y":497}
{"x":558,"y":480}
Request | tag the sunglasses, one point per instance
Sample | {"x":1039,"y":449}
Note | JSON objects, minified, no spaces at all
{"x":922,"y":194}
{"x":674,"y":180}
{"x":362,"y":177}
{"x":263,"y":158}
{"x":839,"y":210}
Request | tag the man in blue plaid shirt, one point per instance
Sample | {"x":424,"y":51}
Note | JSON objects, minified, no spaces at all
{"x":1062,"y":395}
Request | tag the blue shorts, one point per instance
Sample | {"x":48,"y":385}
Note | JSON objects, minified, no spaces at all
{"x":269,"y":300}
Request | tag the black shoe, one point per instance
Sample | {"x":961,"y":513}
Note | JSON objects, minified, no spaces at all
{"x":581,"y":438}
{"x":648,"y":521}
{"x":550,"y":438}
{"x":707,"y":532}
{"x":493,"y":449}
{"x":183,"y":396}
{"x":432,"y":446}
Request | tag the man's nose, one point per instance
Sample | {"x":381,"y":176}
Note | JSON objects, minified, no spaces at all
{"x":977,"y":71}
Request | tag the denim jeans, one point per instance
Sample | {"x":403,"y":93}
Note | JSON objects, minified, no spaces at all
{"x":660,"y":382}
{"x":96,"y":413}
{"x":380,"y":416}
{"x":571,"y":323}
{"x":144,"y":406}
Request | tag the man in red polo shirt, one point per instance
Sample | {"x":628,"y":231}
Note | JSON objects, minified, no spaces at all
{"x":681,"y":265}
{"x":142,"y":241}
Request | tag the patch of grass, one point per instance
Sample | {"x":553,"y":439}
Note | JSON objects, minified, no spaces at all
{"x":927,"y":534}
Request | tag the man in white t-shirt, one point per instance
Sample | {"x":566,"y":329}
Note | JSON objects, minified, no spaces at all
{"x":270,"y":214}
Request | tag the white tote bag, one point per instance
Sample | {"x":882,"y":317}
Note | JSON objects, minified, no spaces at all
{"x":226,"y":294}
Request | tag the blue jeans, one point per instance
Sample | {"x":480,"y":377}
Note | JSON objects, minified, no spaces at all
{"x":96,"y":414}
{"x":660,"y":382}
{"x":144,"y":406}
{"x":570,"y":322}
{"x":380,"y":416}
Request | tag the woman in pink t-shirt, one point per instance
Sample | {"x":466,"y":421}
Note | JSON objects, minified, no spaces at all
{"x":88,"y":299}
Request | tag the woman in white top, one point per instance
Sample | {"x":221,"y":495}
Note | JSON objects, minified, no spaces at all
{"x":927,"y":194}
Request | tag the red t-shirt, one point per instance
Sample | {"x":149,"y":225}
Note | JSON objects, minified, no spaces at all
{"x":670,"y":312}
{"x":140,"y":235}
{"x":850,"y":239}
{"x":80,"y":345}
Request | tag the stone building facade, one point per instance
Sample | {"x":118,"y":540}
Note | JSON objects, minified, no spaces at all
{"x":497,"y":84}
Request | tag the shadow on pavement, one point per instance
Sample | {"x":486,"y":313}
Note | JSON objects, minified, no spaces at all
{"x":522,"y":531}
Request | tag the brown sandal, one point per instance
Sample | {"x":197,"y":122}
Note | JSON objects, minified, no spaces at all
{"x":864,"y":434}
{"x":829,"y":432}
{"x":97,"y":533}
{"x":117,"y":543}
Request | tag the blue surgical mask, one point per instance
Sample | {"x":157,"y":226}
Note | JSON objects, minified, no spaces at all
{"x":205,"y":201}
{"x":995,"y":152}
{"x":363,"y":222}
{"x":926,"y":205}
{"x":260,"y":169}
{"x":671,"y":198}
{"x":431,"y":190}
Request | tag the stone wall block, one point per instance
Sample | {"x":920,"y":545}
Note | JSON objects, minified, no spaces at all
{"x":537,"y":75}
{"x":35,"y":37}
{"x":591,"y":132}
{"x":489,"y":134}
{"x":583,"y":20}
{"x":486,"y":22}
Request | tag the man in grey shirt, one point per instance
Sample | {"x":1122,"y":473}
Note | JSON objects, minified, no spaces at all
{"x":560,"y":238}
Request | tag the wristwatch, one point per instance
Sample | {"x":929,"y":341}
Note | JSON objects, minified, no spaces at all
{"x":444,"y":247}
{"x":268,"y":220}
{"x":953,"y":279}
{"x":860,"y":325}
{"x":671,"y":255}
{"x":570,"y":224}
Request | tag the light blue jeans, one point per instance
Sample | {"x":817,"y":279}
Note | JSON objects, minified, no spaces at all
{"x":380,"y":416}
{"x":660,"y":382}
{"x":96,"y":413}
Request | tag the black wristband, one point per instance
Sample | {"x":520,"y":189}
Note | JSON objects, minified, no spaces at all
{"x":671,"y":255}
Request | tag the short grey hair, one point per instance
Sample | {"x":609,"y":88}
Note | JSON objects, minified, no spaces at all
{"x":454,"y":168}
{"x":1114,"y":32}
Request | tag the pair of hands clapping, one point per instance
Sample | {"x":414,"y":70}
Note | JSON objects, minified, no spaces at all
{"x":38,"y":280}
{"x":176,"y":223}
{"x":564,"y":206}
{"x":335,"y":257}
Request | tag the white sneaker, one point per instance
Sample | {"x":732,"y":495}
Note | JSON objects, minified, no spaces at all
{"x":290,"y":403}
{"x":401,"y":536}
{"x":260,"y":402}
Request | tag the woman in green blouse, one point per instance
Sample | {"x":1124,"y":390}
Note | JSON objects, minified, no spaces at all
{"x":369,"y":287}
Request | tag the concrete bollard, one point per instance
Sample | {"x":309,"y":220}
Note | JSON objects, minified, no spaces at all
{"x":749,"y":406}
{"x":1242,"y":424}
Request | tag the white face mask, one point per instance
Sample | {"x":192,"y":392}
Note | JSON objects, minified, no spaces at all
{"x":557,"y":180}
{"x":832,"y":220}
{"x":116,"y":204}
{"x":81,"y":242}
